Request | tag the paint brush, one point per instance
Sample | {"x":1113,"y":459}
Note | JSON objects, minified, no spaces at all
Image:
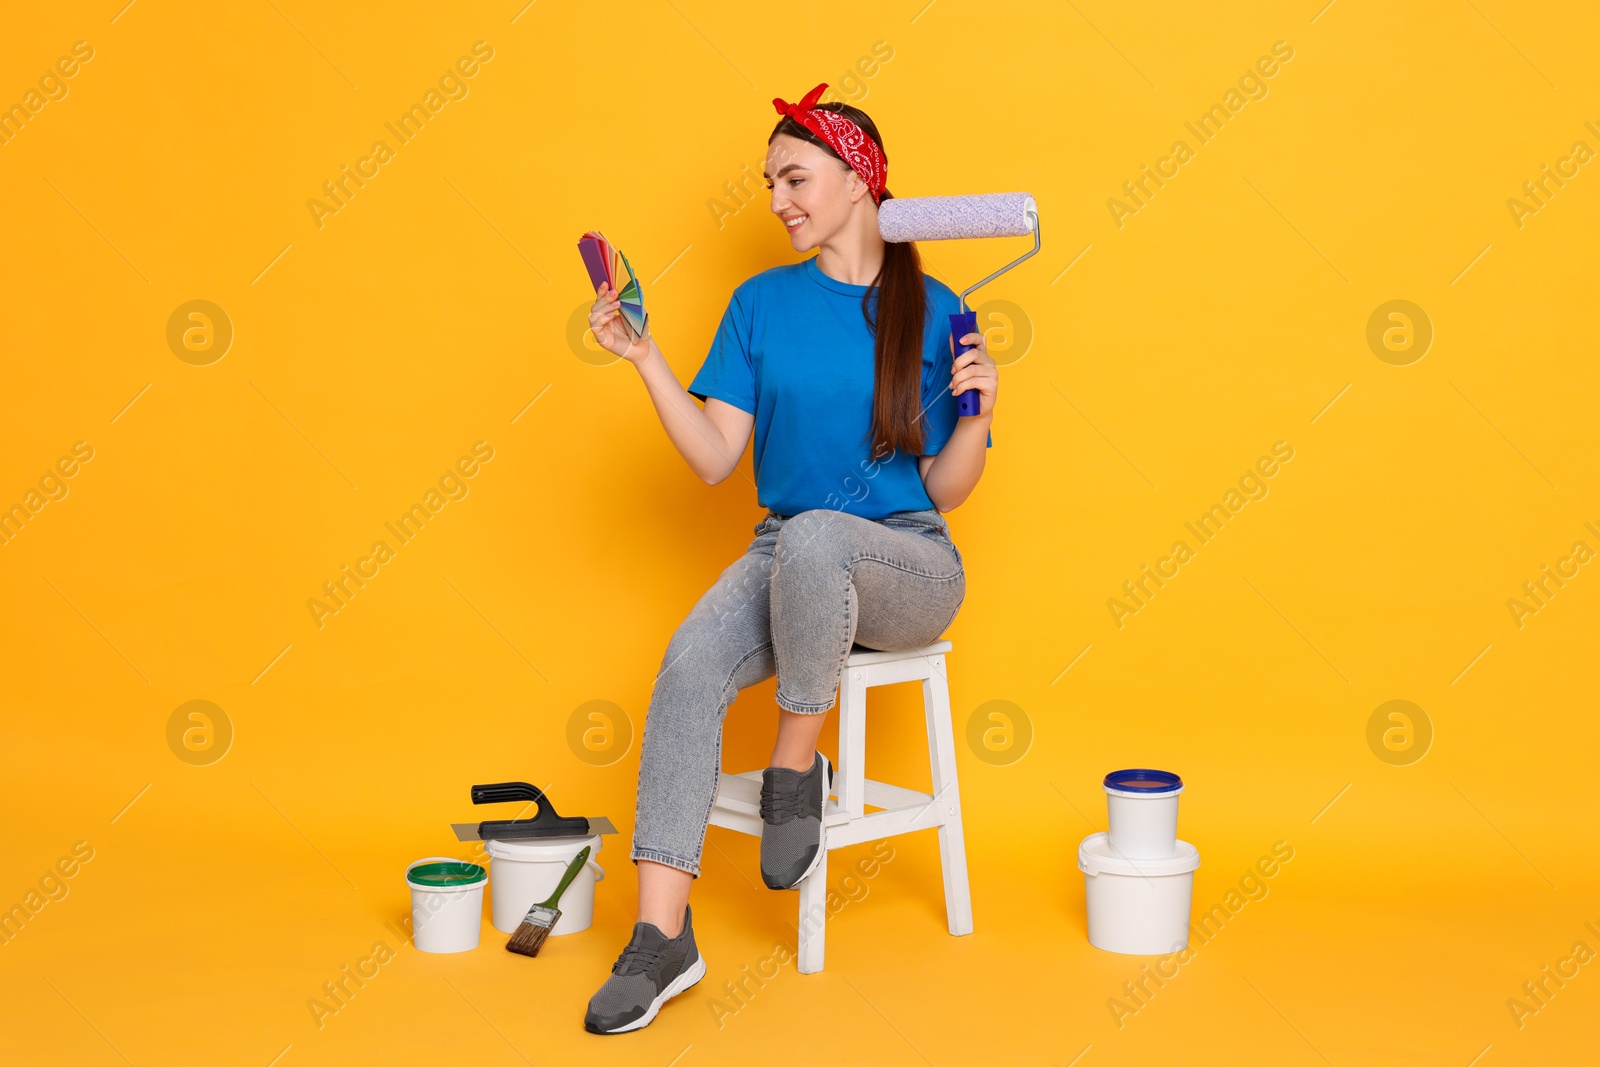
{"x":541,"y":918}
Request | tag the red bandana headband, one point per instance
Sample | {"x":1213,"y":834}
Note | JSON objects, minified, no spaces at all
{"x":843,"y":136}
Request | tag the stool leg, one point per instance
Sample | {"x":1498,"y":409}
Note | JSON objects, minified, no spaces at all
{"x":850,"y":786}
{"x":942,"y":756}
{"x":813,"y":917}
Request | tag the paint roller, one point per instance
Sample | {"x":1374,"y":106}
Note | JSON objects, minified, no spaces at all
{"x":944,"y":218}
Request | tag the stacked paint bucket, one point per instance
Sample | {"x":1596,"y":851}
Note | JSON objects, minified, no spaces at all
{"x":447,"y":894}
{"x":1138,"y":877}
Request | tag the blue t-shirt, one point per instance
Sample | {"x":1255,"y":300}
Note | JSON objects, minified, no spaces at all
{"x":794,"y":350}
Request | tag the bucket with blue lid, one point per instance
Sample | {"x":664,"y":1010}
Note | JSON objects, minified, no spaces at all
{"x":1142,"y":812}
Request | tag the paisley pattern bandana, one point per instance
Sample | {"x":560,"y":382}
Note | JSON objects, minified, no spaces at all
{"x":843,"y":136}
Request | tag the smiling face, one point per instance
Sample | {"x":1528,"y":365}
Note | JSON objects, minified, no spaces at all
{"x":810,"y":187}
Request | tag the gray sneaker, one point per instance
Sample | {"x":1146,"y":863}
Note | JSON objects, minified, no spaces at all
{"x":792,"y":805}
{"x":652,"y":970}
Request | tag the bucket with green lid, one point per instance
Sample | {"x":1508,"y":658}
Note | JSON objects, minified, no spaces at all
{"x":446,"y":903}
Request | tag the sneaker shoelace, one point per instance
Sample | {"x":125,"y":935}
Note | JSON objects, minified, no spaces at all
{"x":638,"y":959}
{"x":782,"y":805}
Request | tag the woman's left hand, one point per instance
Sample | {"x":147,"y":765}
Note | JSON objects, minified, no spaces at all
{"x":976,"y":370}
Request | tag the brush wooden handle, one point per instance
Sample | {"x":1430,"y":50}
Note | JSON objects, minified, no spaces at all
{"x":566,"y":879}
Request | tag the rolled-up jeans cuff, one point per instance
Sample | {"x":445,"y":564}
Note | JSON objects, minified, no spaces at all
{"x":802,"y":709}
{"x":667,"y":859}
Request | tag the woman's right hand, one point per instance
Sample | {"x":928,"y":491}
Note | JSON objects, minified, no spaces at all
{"x":605,"y":321}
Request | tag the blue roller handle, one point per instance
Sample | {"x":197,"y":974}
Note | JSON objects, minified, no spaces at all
{"x":961,"y":324}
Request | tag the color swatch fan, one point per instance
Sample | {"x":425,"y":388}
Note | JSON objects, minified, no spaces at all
{"x":608,"y":265}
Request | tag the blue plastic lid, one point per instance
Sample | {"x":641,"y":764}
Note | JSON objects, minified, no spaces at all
{"x":1142,"y":780}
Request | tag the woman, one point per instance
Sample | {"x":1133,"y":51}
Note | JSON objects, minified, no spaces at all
{"x":832,"y":363}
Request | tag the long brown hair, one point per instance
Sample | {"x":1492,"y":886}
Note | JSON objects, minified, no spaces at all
{"x":902,"y":312}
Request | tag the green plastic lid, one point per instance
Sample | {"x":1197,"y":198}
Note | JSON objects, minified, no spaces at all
{"x":450,"y":873}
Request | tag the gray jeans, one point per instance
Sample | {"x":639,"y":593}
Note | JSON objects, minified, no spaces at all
{"x":809,"y":587}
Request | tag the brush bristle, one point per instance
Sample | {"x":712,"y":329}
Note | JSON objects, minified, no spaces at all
{"x":529,"y":937}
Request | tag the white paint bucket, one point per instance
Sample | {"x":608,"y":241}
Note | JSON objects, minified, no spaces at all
{"x":446,"y":903}
{"x":1137,"y":906}
{"x":525,"y":873}
{"x":1142,"y":812}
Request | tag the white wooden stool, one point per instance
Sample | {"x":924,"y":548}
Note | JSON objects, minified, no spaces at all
{"x":738,"y":803}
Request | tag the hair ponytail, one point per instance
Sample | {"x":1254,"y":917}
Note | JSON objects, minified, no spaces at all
{"x":902,"y":316}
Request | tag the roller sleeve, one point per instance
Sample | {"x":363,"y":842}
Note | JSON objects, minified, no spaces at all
{"x":940,"y":218}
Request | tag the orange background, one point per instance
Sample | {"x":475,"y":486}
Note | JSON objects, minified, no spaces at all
{"x":1149,"y":358}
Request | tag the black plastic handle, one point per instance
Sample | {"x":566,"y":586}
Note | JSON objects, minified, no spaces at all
{"x":547,"y":823}
{"x":499,"y":792}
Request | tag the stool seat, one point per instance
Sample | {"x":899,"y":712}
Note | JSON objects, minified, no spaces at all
{"x":846,"y":820}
